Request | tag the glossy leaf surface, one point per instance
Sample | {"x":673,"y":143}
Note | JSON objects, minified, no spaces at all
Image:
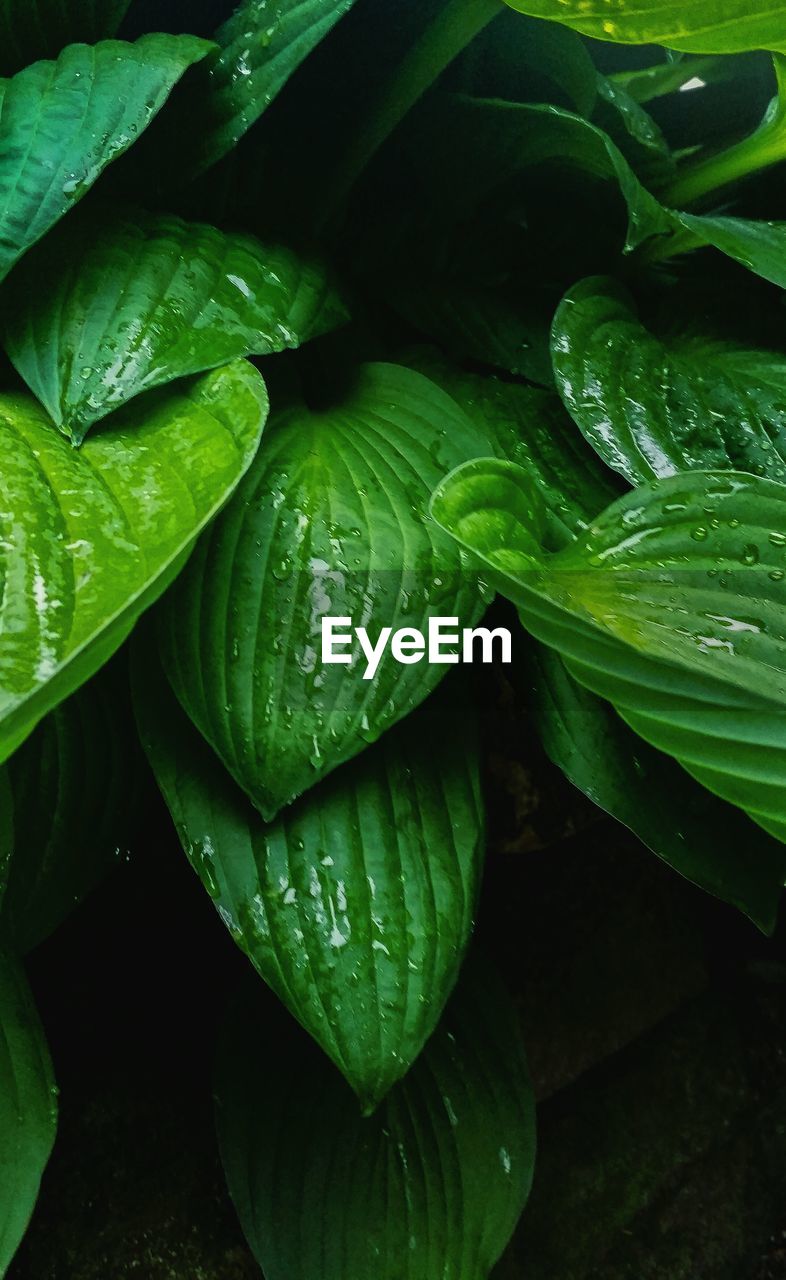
{"x":671,"y":606}
{"x":33,"y":29}
{"x":693,"y":26}
{"x":71,"y":792}
{"x":356,"y":904}
{"x":28,"y":1110}
{"x":63,"y":122}
{"x":135,"y":300}
{"x":653,"y":406}
{"x":759,"y":246}
{"x":432,"y":1185}
{"x":331,"y":521}
{"x":92,"y":537}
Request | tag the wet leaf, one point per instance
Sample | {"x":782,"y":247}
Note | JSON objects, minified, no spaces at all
{"x":97,"y":534}
{"x":331,"y":521}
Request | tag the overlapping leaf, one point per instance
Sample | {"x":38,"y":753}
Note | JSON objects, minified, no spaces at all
{"x":709,"y":842}
{"x":33,"y":29}
{"x":28,"y":1110}
{"x":653,"y":406}
{"x":671,"y":607}
{"x":63,"y":122}
{"x":694,"y":26}
{"x":432,"y":1185}
{"x":116,"y":304}
{"x":356,"y":904}
{"x":330,"y":521}
{"x":91,"y":538}
{"x":70,"y":792}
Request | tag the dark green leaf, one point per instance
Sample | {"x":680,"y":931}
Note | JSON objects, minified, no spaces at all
{"x":331,"y":520}
{"x":33,"y":29}
{"x":694,"y":26}
{"x":431,"y":1186}
{"x":71,"y":788}
{"x":28,"y":1110}
{"x":671,"y":606}
{"x":653,"y":406}
{"x":63,"y":122}
{"x":356,"y":904}
{"x":97,"y":534}
{"x":709,"y":842}
{"x":759,"y":246}
{"x":112,"y":306}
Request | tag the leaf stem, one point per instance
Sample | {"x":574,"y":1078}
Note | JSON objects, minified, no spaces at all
{"x":457,"y":23}
{"x":765,"y":147}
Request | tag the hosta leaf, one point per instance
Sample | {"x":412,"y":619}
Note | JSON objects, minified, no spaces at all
{"x":431,"y":1186}
{"x":260,"y":47}
{"x":356,"y":904}
{"x":694,"y":26}
{"x":63,"y":122}
{"x":709,"y":842}
{"x":331,"y":520}
{"x":92,"y":537}
{"x":115,"y":305}
{"x":33,"y":29}
{"x":671,"y":606}
{"x":653,"y":406}
{"x":28,"y":1111}
{"x":71,"y":792}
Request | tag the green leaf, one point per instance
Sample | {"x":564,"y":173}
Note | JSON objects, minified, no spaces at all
{"x":671,"y":606}
{"x":71,"y":789}
{"x":759,"y":246}
{"x":694,"y":26}
{"x":709,"y":842}
{"x":647,"y":83}
{"x":28,"y":1110}
{"x":331,"y":520}
{"x":33,"y":29}
{"x":653,"y":406}
{"x":432,"y":1185}
{"x":356,"y":904}
{"x":260,"y":47}
{"x":117,"y":304}
{"x":63,"y":122}
{"x":97,"y":534}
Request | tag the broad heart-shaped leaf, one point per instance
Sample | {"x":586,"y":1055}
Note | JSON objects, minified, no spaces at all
{"x":432,"y":1185}
{"x":671,"y":606}
{"x":63,"y":122}
{"x":356,"y":904}
{"x":28,"y":1110}
{"x":710,"y":843}
{"x":71,"y":791}
{"x":116,"y":304}
{"x":693,"y":26}
{"x":330,"y":521}
{"x":92,"y":537}
{"x":33,"y":29}
{"x":651,"y":406}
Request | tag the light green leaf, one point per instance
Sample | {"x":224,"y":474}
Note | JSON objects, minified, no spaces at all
{"x":71,"y":792}
{"x":653,"y":406}
{"x":759,"y":246}
{"x":28,"y":1108}
{"x":432,"y":1185}
{"x":356,"y":904}
{"x":709,"y":842}
{"x":92,"y":537}
{"x":694,"y":26}
{"x":330,"y":521}
{"x":671,"y":606}
{"x":63,"y":122}
{"x":116,"y":304}
{"x":644,"y":84}
{"x":33,"y":29}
